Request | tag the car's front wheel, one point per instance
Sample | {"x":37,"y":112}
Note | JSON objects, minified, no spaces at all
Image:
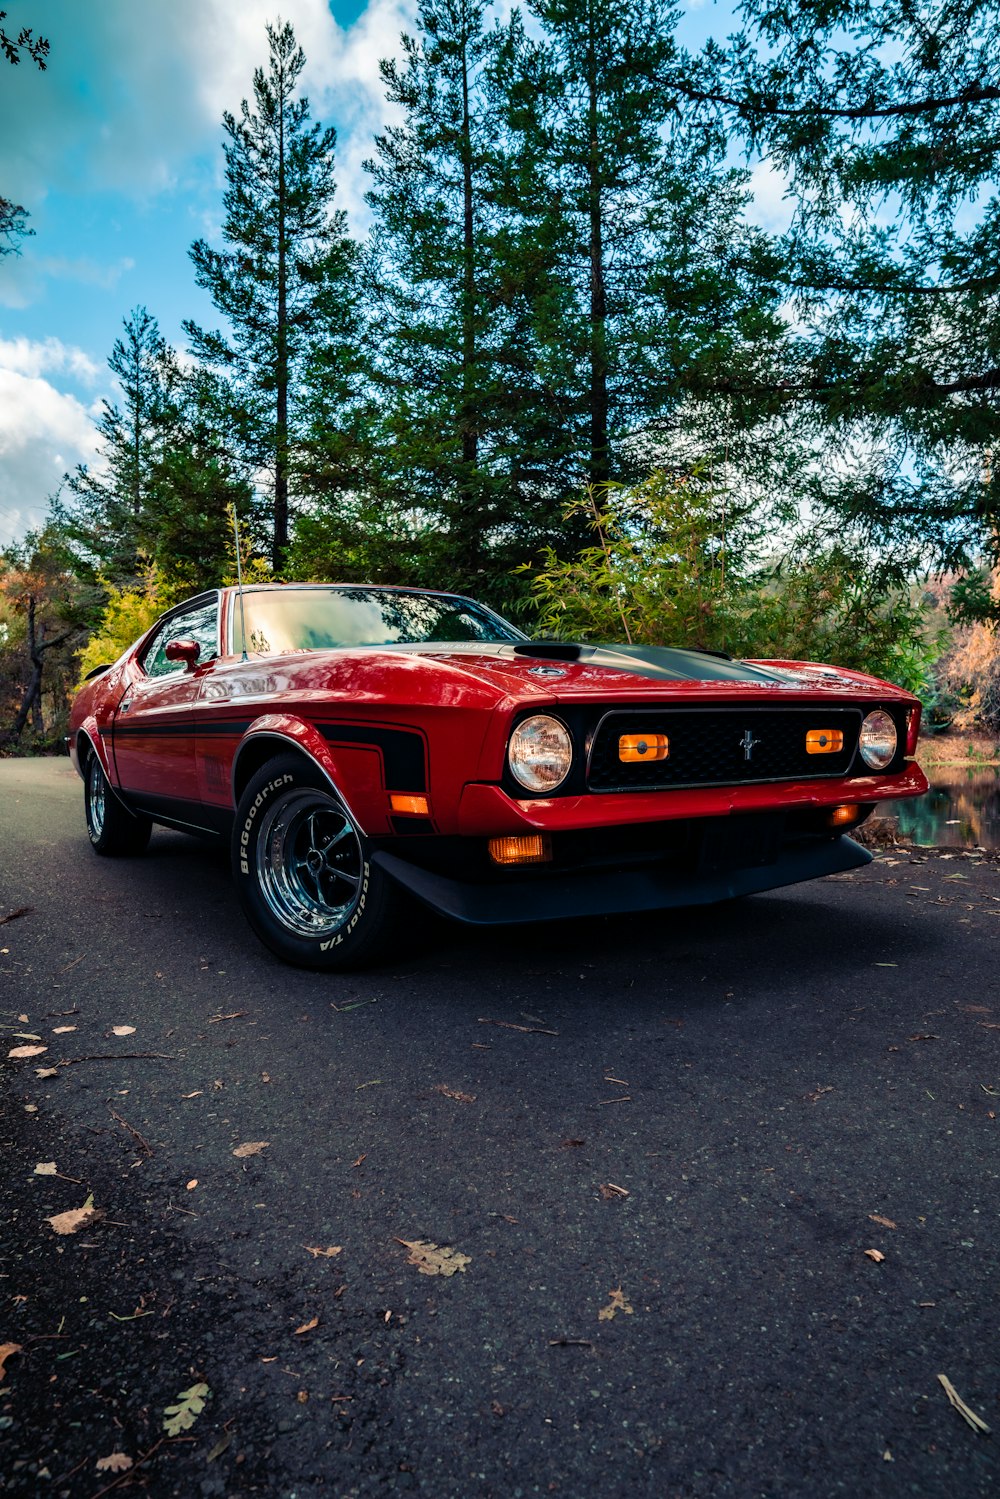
{"x":112,"y":829}
{"x":303,"y":874}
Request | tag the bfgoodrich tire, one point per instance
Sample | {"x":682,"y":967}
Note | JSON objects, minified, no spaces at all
{"x":303,"y":874}
{"x":112,"y":829}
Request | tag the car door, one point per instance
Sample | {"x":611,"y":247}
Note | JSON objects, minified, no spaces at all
{"x":155,"y":724}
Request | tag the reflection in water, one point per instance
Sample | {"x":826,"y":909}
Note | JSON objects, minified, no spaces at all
{"x":961,"y":809}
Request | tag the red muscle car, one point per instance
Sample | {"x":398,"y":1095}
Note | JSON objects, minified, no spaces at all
{"x":356,"y":744}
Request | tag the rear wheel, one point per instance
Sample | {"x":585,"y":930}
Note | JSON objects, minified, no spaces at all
{"x":112,"y":829}
{"x":303,"y":875}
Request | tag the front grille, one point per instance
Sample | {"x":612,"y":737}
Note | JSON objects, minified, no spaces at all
{"x":721,"y":747}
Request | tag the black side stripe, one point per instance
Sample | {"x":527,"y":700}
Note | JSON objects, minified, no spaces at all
{"x":402,"y":749}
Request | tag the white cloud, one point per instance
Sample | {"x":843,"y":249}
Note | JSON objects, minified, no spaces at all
{"x":26,"y":356}
{"x":771,"y":208}
{"x":133,"y":96}
{"x":43,"y":433}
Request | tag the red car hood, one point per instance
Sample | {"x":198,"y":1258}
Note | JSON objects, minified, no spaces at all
{"x":567,"y":673}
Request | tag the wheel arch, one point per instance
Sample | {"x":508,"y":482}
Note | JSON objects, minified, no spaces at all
{"x":267,"y":742}
{"x":89,"y":741}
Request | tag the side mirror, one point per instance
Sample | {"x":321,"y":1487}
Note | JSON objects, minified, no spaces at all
{"x":187,"y":651}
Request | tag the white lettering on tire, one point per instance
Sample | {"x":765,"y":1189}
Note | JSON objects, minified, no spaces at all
{"x":247,"y":828}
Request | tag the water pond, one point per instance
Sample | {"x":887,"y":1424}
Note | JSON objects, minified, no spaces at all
{"x":961,"y":809}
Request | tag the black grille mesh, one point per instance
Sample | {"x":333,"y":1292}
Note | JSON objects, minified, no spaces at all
{"x":709,"y":748}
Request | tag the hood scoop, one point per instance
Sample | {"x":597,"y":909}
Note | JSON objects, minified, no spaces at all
{"x":549,"y":650}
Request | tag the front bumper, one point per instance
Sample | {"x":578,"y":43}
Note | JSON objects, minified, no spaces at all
{"x":604,"y":892}
{"x":487,"y":810}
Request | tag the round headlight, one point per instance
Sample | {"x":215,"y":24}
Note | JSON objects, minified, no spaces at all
{"x":540,"y":753}
{"x":878,"y":740}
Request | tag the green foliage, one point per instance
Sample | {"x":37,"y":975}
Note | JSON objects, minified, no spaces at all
{"x":284,"y":282}
{"x":128,"y":613}
{"x":884,"y":119}
{"x":669,"y":567}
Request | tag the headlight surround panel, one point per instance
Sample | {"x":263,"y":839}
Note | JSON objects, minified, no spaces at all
{"x":582,"y":722}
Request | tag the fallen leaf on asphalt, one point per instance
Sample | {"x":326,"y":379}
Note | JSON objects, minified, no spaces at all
{"x":323,"y":1254}
{"x":220,"y":1446}
{"x":454,"y":1093}
{"x":16,"y":915}
{"x":46,"y":1168}
{"x":302,"y":1397}
{"x":233,"y":1015}
{"x":123,"y":1030}
{"x":191,"y":1184}
{"x":818,"y":1094}
{"x":181,"y":1416}
{"x":886,"y":965}
{"x":46,"y":1071}
{"x":571,"y":1144}
{"x":876,"y":1255}
{"x":196,"y":1094}
{"x":62,"y":1030}
{"x":7,"y":1350}
{"x":609,"y":1191}
{"x":965,"y":1411}
{"x":924,"y":1036}
{"x":26,"y":1051}
{"x":307,"y":1326}
{"x":433,"y":1259}
{"x":31,"y":1108}
{"x":25,"y":1036}
{"x":252,"y":1147}
{"x":115,"y":1462}
{"x":885,"y":1222}
{"x":618,"y":1303}
{"x":76,"y":1218}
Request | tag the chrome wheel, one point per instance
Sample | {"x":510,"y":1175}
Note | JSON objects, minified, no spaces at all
{"x":95,"y":801}
{"x":309,"y":862}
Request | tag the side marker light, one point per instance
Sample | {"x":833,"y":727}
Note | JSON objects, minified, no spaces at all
{"x":415,"y":806}
{"x":534,"y":848}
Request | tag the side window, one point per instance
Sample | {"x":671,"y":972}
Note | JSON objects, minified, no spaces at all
{"x":199,"y":624}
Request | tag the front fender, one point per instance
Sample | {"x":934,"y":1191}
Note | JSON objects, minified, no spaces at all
{"x":355,"y":773}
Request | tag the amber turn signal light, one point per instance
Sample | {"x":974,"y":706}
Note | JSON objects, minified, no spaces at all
{"x":843,"y":817}
{"x":415,"y":806}
{"x":824,"y":742}
{"x":633,"y":747}
{"x":534,"y":848}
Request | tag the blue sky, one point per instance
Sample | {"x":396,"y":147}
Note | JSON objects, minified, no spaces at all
{"x":116,"y":153}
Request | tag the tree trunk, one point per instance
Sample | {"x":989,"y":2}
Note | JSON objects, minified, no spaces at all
{"x":281,"y":380}
{"x":468,"y":420}
{"x":599,"y":465}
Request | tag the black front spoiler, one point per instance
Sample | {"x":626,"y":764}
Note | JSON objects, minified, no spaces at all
{"x":607,"y":892}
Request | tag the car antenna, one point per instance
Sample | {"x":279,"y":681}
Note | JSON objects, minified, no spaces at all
{"x":239,"y":585}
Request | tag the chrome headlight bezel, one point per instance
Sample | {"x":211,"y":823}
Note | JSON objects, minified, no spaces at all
{"x":878,"y":740}
{"x":540,"y":753}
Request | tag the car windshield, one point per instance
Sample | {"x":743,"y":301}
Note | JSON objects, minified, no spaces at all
{"x":315,"y":619}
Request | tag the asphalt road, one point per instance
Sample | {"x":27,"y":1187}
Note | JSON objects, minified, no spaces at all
{"x":670,"y":1148}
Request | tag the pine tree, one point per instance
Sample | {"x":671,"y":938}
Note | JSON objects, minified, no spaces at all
{"x":650,"y":282}
{"x":284,"y":282}
{"x":105,"y":512}
{"x":885,"y":119}
{"x":433,"y":287}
